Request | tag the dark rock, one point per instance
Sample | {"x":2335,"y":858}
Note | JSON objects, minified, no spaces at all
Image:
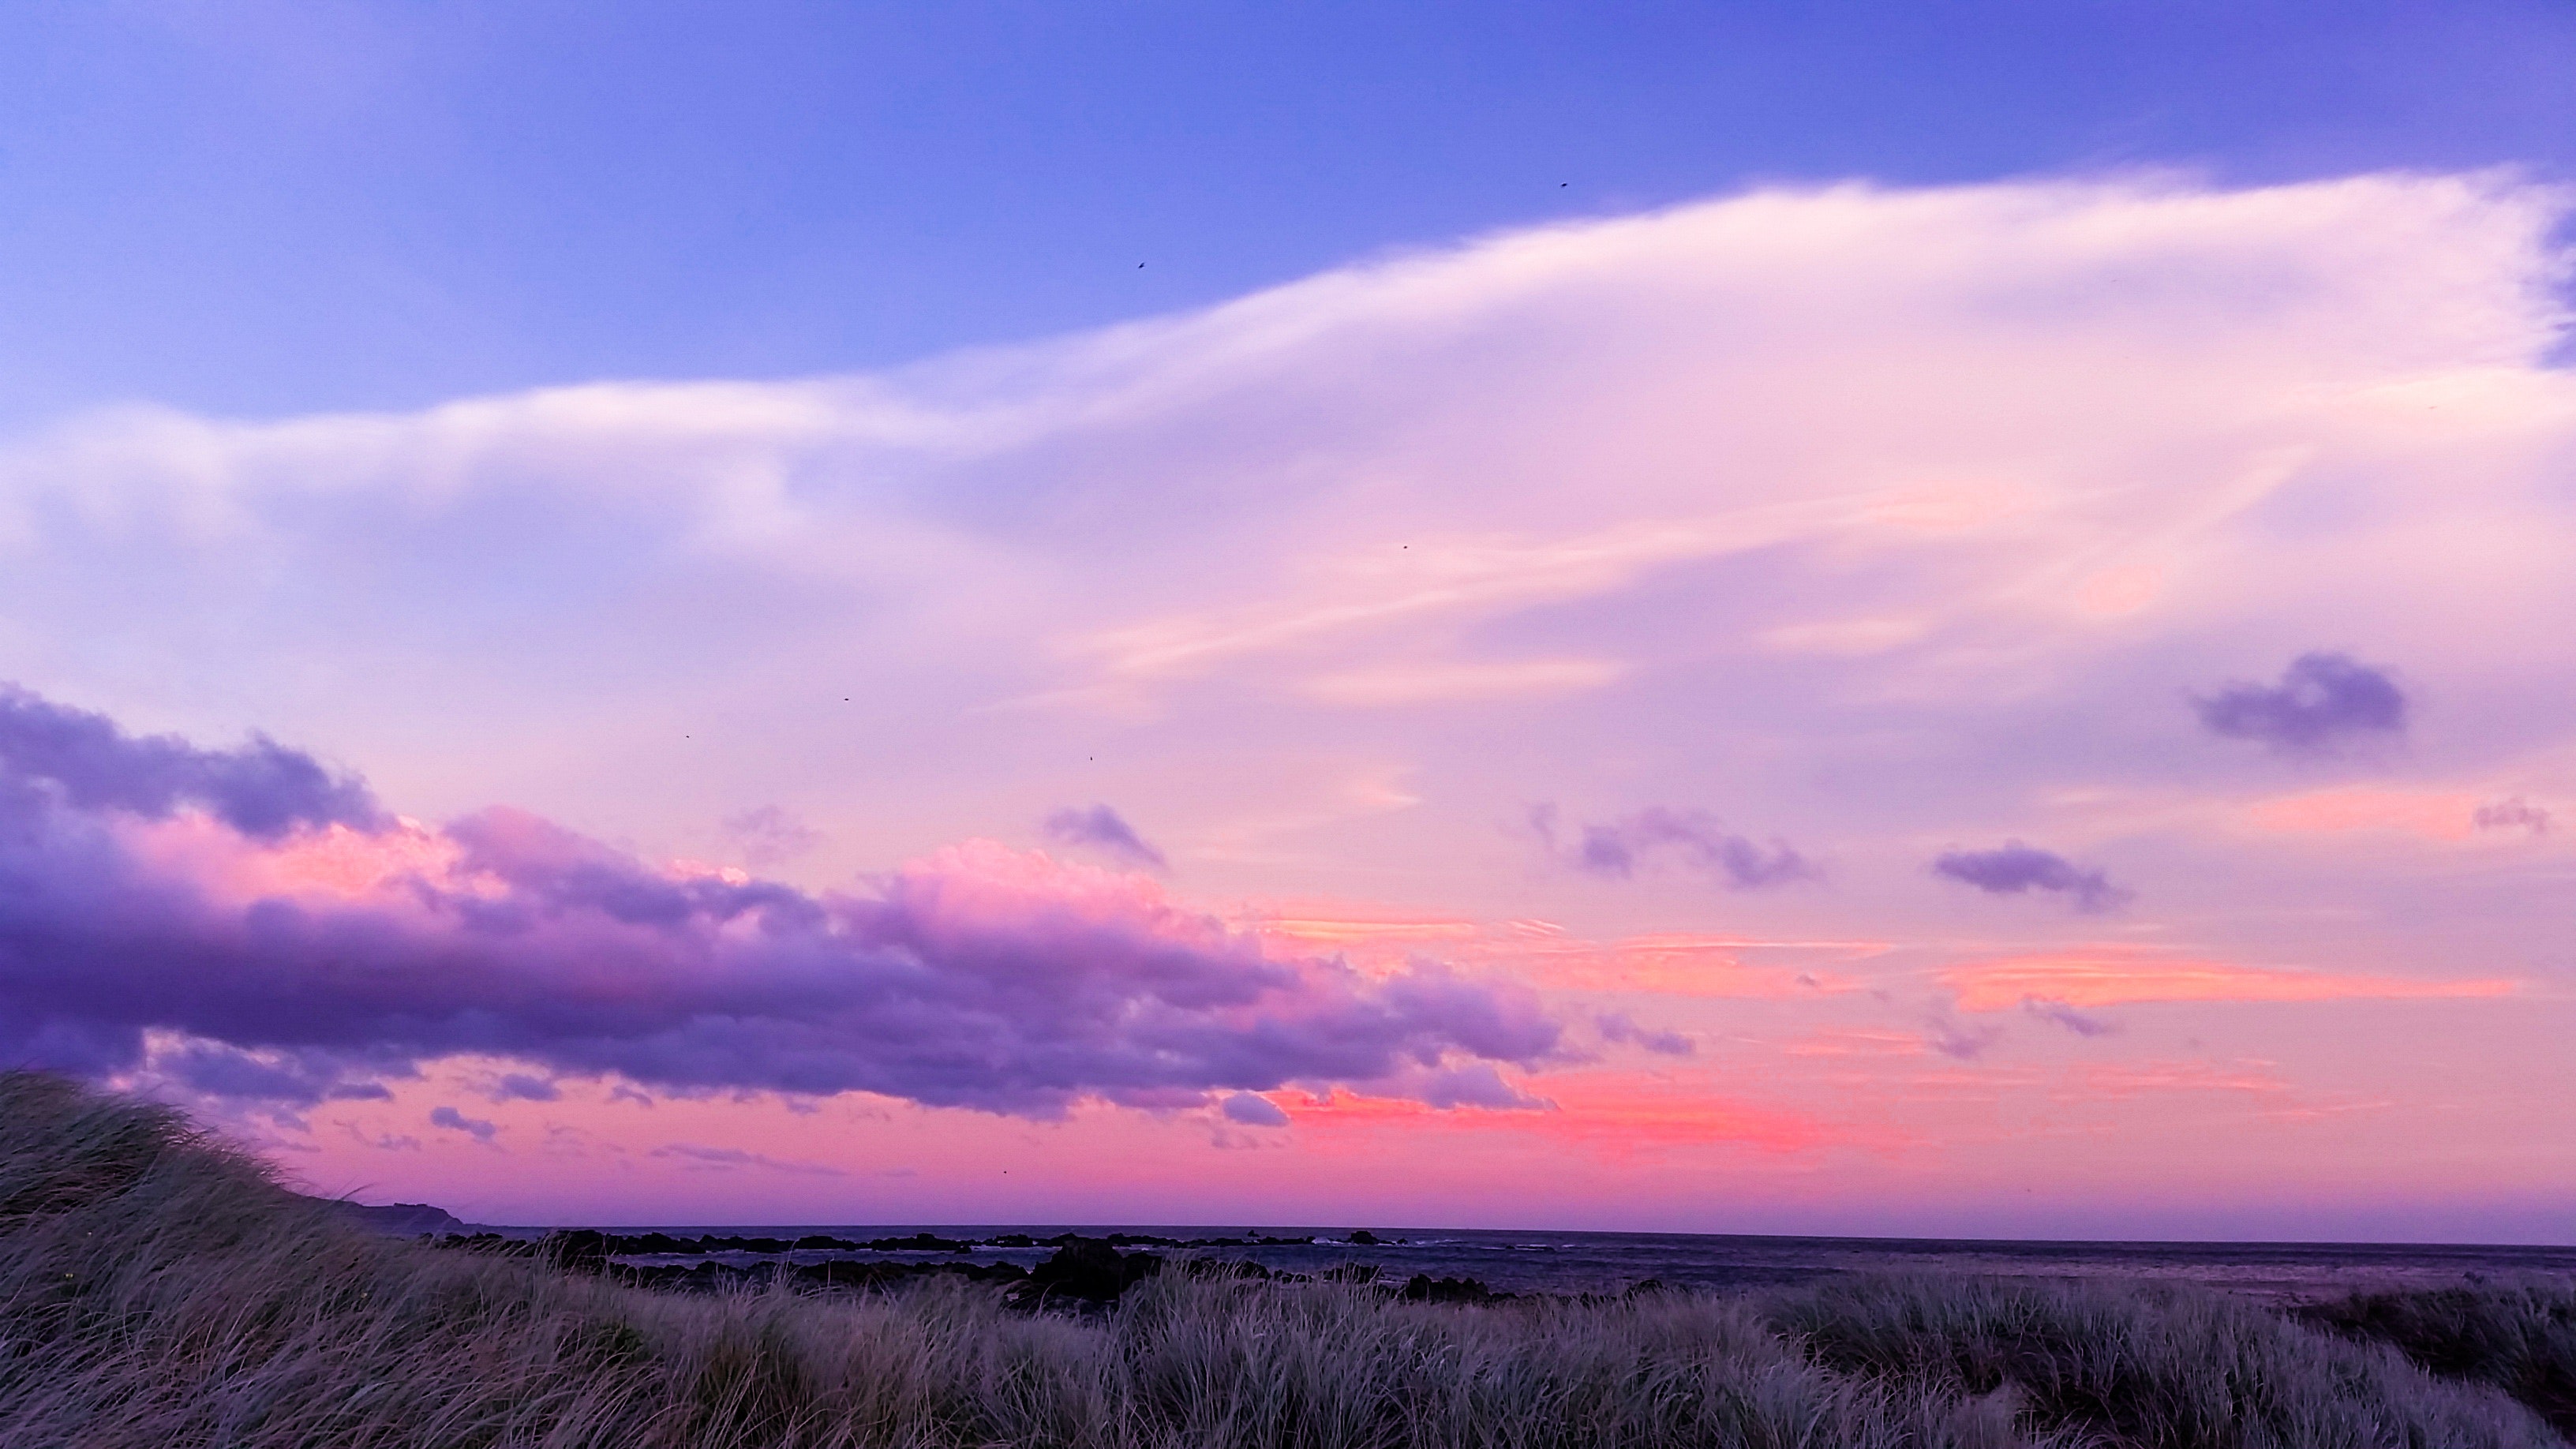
{"x":1423,"y":1288}
{"x":483,"y":1243}
{"x":1089,"y":1269}
{"x":655,"y":1243}
{"x":918,"y":1243}
{"x":1366,"y":1239}
{"x":578,"y":1249}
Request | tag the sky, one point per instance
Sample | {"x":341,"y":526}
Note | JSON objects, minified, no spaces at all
{"x":1937,"y":620}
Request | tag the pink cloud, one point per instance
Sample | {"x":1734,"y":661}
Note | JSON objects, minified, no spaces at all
{"x":2433,"y":814}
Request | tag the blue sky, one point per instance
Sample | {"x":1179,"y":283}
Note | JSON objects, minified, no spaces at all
{"x":259,"y":209}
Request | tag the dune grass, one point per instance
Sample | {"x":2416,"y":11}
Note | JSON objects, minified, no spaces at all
{"x":2519,"y":1336}
{"x":158,"y":1289}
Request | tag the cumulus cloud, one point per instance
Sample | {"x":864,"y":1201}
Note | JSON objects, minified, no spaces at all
{"x":1473,"y":1084}
{"x":1692,"y":838}
{"x":2018,"y":869}
{"x":1251,"y":1109}
{"x":1101,"y":828}
{"x":2322,"y":700}
{"x":82,"y":759}
{"x":980,"y":977}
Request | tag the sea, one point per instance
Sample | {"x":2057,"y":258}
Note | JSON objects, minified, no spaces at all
{"x":1581,"y":1263}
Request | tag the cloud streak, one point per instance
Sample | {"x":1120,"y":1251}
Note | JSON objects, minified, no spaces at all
{"x":455,"y":1121}
{"x":1691,"y":838}
{"x":297,"y":949}
{"x":2018,"y":869}
{"x":2120,"y":976}
{"x":1103,"y":829}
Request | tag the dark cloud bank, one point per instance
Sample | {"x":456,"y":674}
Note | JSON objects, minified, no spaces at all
{"x":2323,"y":700}
{"x":2018,"y":869}
{"x":976,"y":980}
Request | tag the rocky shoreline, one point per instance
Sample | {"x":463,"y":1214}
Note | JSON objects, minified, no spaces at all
{"x":1083,"y":1272}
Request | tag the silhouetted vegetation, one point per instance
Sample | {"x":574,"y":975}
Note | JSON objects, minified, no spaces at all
{"x":158,"y":1289}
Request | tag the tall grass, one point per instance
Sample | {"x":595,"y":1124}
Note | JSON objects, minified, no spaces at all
{"x":2159,"y":1367}
{"x":157,"y":1289}
{"x":2518,"y":1336}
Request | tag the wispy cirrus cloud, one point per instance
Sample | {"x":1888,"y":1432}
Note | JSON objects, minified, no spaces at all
{"x":1709,"y":965}
{"x":2124,"y":976}
{"x":2059,"y":1014}
{"x":768,"y":835}
{"x":719,"y":1159}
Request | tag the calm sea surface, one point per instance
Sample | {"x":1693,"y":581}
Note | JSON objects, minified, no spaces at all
{"x":1612,"y":1262}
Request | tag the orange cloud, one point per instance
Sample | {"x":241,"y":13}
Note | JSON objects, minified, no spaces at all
{"x":2120,"y":976}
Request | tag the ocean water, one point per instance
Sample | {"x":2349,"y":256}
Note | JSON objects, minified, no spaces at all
{"x":1552,"y":1262}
